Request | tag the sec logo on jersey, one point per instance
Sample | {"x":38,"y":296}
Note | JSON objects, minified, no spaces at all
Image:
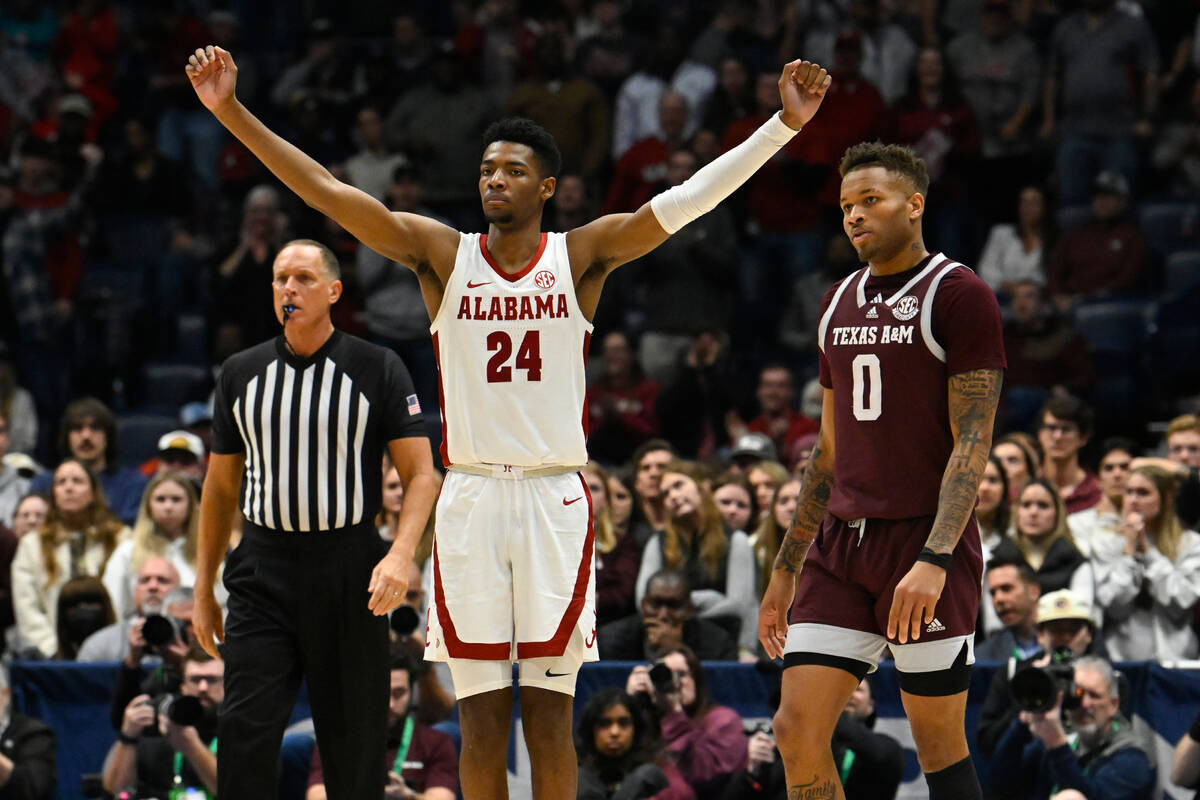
{"x":905,"y":308}
{"x":544,"y":279}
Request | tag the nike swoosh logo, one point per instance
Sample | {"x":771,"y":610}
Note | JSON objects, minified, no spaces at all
{"x":550,"y":674}
{"x":567,"y":502}
{"x":471,"y":285}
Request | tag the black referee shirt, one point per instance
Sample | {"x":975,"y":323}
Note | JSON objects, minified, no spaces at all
{"x":313,"y":430}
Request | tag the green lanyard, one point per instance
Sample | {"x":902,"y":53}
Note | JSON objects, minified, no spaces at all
{"x":405,"y":741}
{"x":847,"y":763}
{"x":177,"y":781}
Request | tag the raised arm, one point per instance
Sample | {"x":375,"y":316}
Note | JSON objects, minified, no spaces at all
{"x":972,"y":400}
{"x":815,"y":490}
{"x":615,"y":239}
{"x":409,"y":239}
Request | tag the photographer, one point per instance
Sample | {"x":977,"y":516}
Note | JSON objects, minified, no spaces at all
{"x":870,"y":764}
{"x":184,"y":757}
{"x":117,"y":642}
{"x":706,"y":740}
{"x":1101,"y":758}
{"x":161,"y":649}
{"x":421,"y":763}
{"x":1065,"y":630}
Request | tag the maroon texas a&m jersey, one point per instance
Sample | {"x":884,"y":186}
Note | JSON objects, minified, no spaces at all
{"x":889,"y":345}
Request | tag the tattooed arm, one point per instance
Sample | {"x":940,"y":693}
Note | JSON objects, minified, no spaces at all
{"x":816,"y":487}
{"x":973,"y":397}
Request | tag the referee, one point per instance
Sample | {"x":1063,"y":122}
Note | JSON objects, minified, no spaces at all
{"x":299,"y":428}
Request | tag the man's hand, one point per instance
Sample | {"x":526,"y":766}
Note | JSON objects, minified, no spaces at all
{"x":661,"y":634}
{"x":389,"y":582}
{"x":137,"y":643}
{"x":207,"y":622}
{"x":179,"y":735}
{"x":759,"y":751}
{"x":396,"y":788}
{"x":914,"y":600}
{"x":213,"y":75}
{"x":773,"y":613}
{"x":138,"y":714}
{"x":1047,"y":725}
{"x":802,"y":87}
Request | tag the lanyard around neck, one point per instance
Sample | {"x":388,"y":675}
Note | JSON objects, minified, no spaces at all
{"x":405,"y":741}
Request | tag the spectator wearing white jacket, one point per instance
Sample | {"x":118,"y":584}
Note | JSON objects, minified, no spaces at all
{"x":1148,"y":574}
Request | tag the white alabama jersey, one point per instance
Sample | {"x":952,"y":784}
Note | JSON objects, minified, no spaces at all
{"x":511,"y":351}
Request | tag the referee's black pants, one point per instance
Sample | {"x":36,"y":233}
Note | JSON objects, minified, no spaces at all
{"x":298,"y":609}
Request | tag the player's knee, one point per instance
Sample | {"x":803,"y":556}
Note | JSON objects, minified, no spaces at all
{"x":797,"y":732}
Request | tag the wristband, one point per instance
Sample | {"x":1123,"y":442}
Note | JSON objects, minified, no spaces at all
{"x":123,"y":739}
{"x":937,"y":559}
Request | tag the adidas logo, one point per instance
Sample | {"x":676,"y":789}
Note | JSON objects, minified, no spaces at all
{"x":872,"y":314}
{"x":935,"y":626}
{"x":878,"y":298}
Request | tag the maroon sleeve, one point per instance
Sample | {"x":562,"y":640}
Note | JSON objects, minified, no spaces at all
{"x":316,"y":775}
{"x":825,"y":377}
{"x":966,"y":323}
{"x":441,"y":761}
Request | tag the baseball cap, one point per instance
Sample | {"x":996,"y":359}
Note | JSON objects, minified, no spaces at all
{"x":754,"y":445}
{"x":1063,"y":604}
{"x":1109,"y":182}
{"x":194,"y":413}
{"x":23,"y":464}
{"x":74,"y":104}
{"x":182,"y":440}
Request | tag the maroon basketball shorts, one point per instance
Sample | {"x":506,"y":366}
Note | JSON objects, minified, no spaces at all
{"x":844,"y":597}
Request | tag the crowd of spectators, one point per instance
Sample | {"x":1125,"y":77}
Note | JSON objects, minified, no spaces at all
{"x":1063,"y":143}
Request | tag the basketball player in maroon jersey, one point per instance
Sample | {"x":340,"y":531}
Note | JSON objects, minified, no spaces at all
{"x":516,"y":178}
{"x":911,"y":359}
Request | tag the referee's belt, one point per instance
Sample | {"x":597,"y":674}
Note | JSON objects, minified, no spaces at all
{"x":509,"y":472}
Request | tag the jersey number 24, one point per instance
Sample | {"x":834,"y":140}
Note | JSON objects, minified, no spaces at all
{"x":529,"y":357}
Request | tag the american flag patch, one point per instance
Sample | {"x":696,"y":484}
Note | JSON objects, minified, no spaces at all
{"x":414,"y":405}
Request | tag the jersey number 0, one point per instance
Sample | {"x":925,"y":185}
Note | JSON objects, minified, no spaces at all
{"x":868,"y":388}
{"x":529,"y":357}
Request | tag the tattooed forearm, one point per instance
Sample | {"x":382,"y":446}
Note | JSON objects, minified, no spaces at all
{"x":973,"y":397}
{"x":816,"y":789}
{"x":816,"y":487}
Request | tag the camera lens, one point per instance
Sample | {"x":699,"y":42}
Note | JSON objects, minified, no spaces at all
{"x":185,"y":710}
{"x":662,"y":678}
{"x":157,"y":630}
{"x":404,"y":621}
{"x":1033,"y":689}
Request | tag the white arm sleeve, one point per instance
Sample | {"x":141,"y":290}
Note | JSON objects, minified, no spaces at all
{"x":700,"y":193}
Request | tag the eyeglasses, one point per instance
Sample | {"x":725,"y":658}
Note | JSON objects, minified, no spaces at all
{"x":211,"y":680}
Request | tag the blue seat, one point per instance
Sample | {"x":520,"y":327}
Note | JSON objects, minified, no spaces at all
{"x":172,"y":385}
{"x":193,"y":339}
{"x":1182,"y":273}
{"x":1168,"y":226}
{"x":1118,"y":327}
{"x":138,"y":435}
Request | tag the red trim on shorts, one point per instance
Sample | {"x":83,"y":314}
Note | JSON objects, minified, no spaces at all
{"x":556,"y":645}
{"x":457,"y":648}
{"x":496,"y":267}
{"x":437,"y":356}
{"x":587,"y":340}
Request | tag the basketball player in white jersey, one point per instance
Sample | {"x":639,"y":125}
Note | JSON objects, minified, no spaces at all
{"x":511,"y":311}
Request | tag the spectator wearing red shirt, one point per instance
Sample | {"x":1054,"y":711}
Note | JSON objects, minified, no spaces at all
{"x":934,"y":119}
{"x":421,"y":762}
{"x":643,"y":168}
{"x":777,"y":417}
{"x":620,"y":404}
{"x":1105,"y":255}
{"x":1065,"y":425}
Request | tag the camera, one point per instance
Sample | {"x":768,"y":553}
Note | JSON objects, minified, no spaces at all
{"x":404,"y":620}
{"x":182,"y":709}
{"x":1036,"y":688}
{"x":159,"y":631}
{"x":662,"y":679}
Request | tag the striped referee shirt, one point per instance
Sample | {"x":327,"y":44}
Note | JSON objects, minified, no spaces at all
{"x":313,"y":430}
